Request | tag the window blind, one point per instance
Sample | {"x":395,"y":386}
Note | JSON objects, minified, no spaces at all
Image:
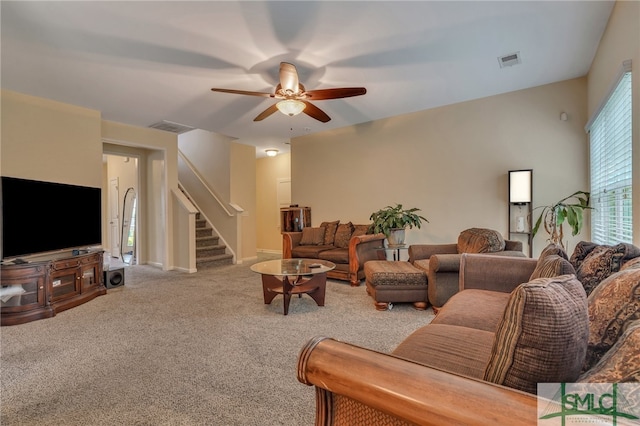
{"x":611,"y":167}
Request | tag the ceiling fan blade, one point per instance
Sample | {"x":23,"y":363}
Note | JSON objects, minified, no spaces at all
{"x":244,"y":92}
{"x":344,"y":92}
{"x":267,"y":112}
{"x":314,"y":112}
{"x":289,"y":77}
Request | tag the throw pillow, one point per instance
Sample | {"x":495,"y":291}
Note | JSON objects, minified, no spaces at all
{"x":329,"y":231}
{"x":343,"y":235}
{"x":551,"y":266}
{"x":542,"y":336}
{"x":360,"y":230}
{"x":554,"y":249}
{"x":612,"y":306}
{"x":312,"y":236}
{"x":621,"y":363}
{"x":480,"y":240}
{"x":603,"y":261}
{"x":633,"y":263}
{"x":583,"y":248}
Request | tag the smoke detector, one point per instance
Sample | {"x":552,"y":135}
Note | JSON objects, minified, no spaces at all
{"x":170,"y":126}
{"x":509,"y":60}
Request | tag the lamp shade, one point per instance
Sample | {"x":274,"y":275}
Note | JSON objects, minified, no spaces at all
{"x":290,"y":107}
{"x":520,"y":186}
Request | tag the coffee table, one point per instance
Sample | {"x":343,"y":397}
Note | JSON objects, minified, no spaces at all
{"x":293,"y":276}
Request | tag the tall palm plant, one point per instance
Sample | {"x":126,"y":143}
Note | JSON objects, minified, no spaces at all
{"x":553,"y":216}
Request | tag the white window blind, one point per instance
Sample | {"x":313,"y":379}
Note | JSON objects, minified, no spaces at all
{"x":610,"y":158}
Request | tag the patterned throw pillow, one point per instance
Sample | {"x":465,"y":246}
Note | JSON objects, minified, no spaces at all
{"x":601,"y":262}
{"x":583,"y":248}
{"x":621,"y":363}
{"x":360,"y":230}
{"x":479,"y":240}
{"x":542,"y":336}
{"x":343,"y":235}
{"x":312,"y":236}
{"x":329,"y":232}
{"x":612,"y":306}
{"x":551,"y":266}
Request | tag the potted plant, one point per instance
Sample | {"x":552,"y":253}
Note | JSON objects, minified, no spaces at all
{"x":392,"y":221}
{"x":554,"y":216}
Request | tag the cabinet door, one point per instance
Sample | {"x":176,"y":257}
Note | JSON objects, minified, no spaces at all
{"x":65,"y":284}
{"x":22,"y":289}
{"x":90,"y":277}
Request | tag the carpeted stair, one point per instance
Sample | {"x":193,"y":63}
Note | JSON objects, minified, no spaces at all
{"x":209,"y":251}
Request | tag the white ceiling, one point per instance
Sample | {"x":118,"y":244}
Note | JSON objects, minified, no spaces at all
{"x":143,"y":62}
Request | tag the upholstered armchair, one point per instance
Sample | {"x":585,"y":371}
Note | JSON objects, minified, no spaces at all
{"x":442,"y":261}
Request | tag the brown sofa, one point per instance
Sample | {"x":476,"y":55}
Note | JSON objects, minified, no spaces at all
{"x":489,"y":346}
{"x":441,"y":262}
{"x":347,"y":245}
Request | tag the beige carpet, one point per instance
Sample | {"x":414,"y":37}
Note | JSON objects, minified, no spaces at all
{"x":172,"y":348}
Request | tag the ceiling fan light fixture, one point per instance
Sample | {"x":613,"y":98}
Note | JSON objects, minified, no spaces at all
{"x":290,"y":107}
{"x":271,"y":152}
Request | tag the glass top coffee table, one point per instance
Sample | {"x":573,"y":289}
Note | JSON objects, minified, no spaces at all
{"x":293,"y":276}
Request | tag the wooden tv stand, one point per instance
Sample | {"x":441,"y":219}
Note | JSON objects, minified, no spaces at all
{"x":42,"y":288}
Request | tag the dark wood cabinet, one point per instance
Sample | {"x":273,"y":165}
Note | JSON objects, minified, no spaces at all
{"x":293,"y":219}
{"x":40,"y":289}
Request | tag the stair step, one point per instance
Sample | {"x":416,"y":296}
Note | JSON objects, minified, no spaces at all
{"x":207,"y":241}
{"x":204,"y":232}
{"x":218,"y":260}
{"x":207,"y":251}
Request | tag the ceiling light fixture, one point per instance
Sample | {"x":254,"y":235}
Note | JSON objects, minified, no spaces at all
{"x":271,"y":152}
{"x":290,"y":107}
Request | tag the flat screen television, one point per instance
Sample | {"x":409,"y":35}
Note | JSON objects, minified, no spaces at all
{"x":41,"y":217}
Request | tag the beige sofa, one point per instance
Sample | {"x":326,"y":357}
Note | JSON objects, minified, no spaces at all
{"x":441,"y":262}
{"x":479,"y":360}
{"x":347,"y":245}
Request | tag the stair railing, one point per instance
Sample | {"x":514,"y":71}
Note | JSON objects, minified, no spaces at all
{"x":225,"y":222}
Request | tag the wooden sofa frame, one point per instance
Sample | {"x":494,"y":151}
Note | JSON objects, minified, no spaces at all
{"x":352,"y":382}
{"x":362,"y":248}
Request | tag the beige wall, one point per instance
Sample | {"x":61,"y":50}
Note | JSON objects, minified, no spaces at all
{"x":210,"y":153}
{"x":451,"y":162}
{"x":243,"y":190}
{"x":50,"y":141}
{"x":268,"y":171}
{"x":620,"y":42}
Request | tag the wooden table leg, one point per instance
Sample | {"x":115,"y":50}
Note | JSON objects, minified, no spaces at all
{"x":315,"y":287}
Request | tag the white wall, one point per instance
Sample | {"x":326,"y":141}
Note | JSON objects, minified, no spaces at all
{"x":451,"y":162}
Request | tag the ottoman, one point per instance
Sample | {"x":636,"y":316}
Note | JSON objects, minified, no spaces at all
{"x":395,"y":281}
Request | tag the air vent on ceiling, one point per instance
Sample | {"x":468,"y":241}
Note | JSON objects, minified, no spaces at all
{"x":509,"y":60}
{"x":170,"y":126}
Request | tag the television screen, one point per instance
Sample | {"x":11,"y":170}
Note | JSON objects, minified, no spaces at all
{"x":40,"y":217}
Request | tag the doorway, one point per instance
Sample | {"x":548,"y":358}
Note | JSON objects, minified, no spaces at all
{"x":122,"y":175}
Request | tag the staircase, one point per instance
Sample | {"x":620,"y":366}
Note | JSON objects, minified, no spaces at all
{"x":209,"y":251}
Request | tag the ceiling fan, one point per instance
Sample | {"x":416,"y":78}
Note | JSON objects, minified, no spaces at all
{"x":295,"y":98}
